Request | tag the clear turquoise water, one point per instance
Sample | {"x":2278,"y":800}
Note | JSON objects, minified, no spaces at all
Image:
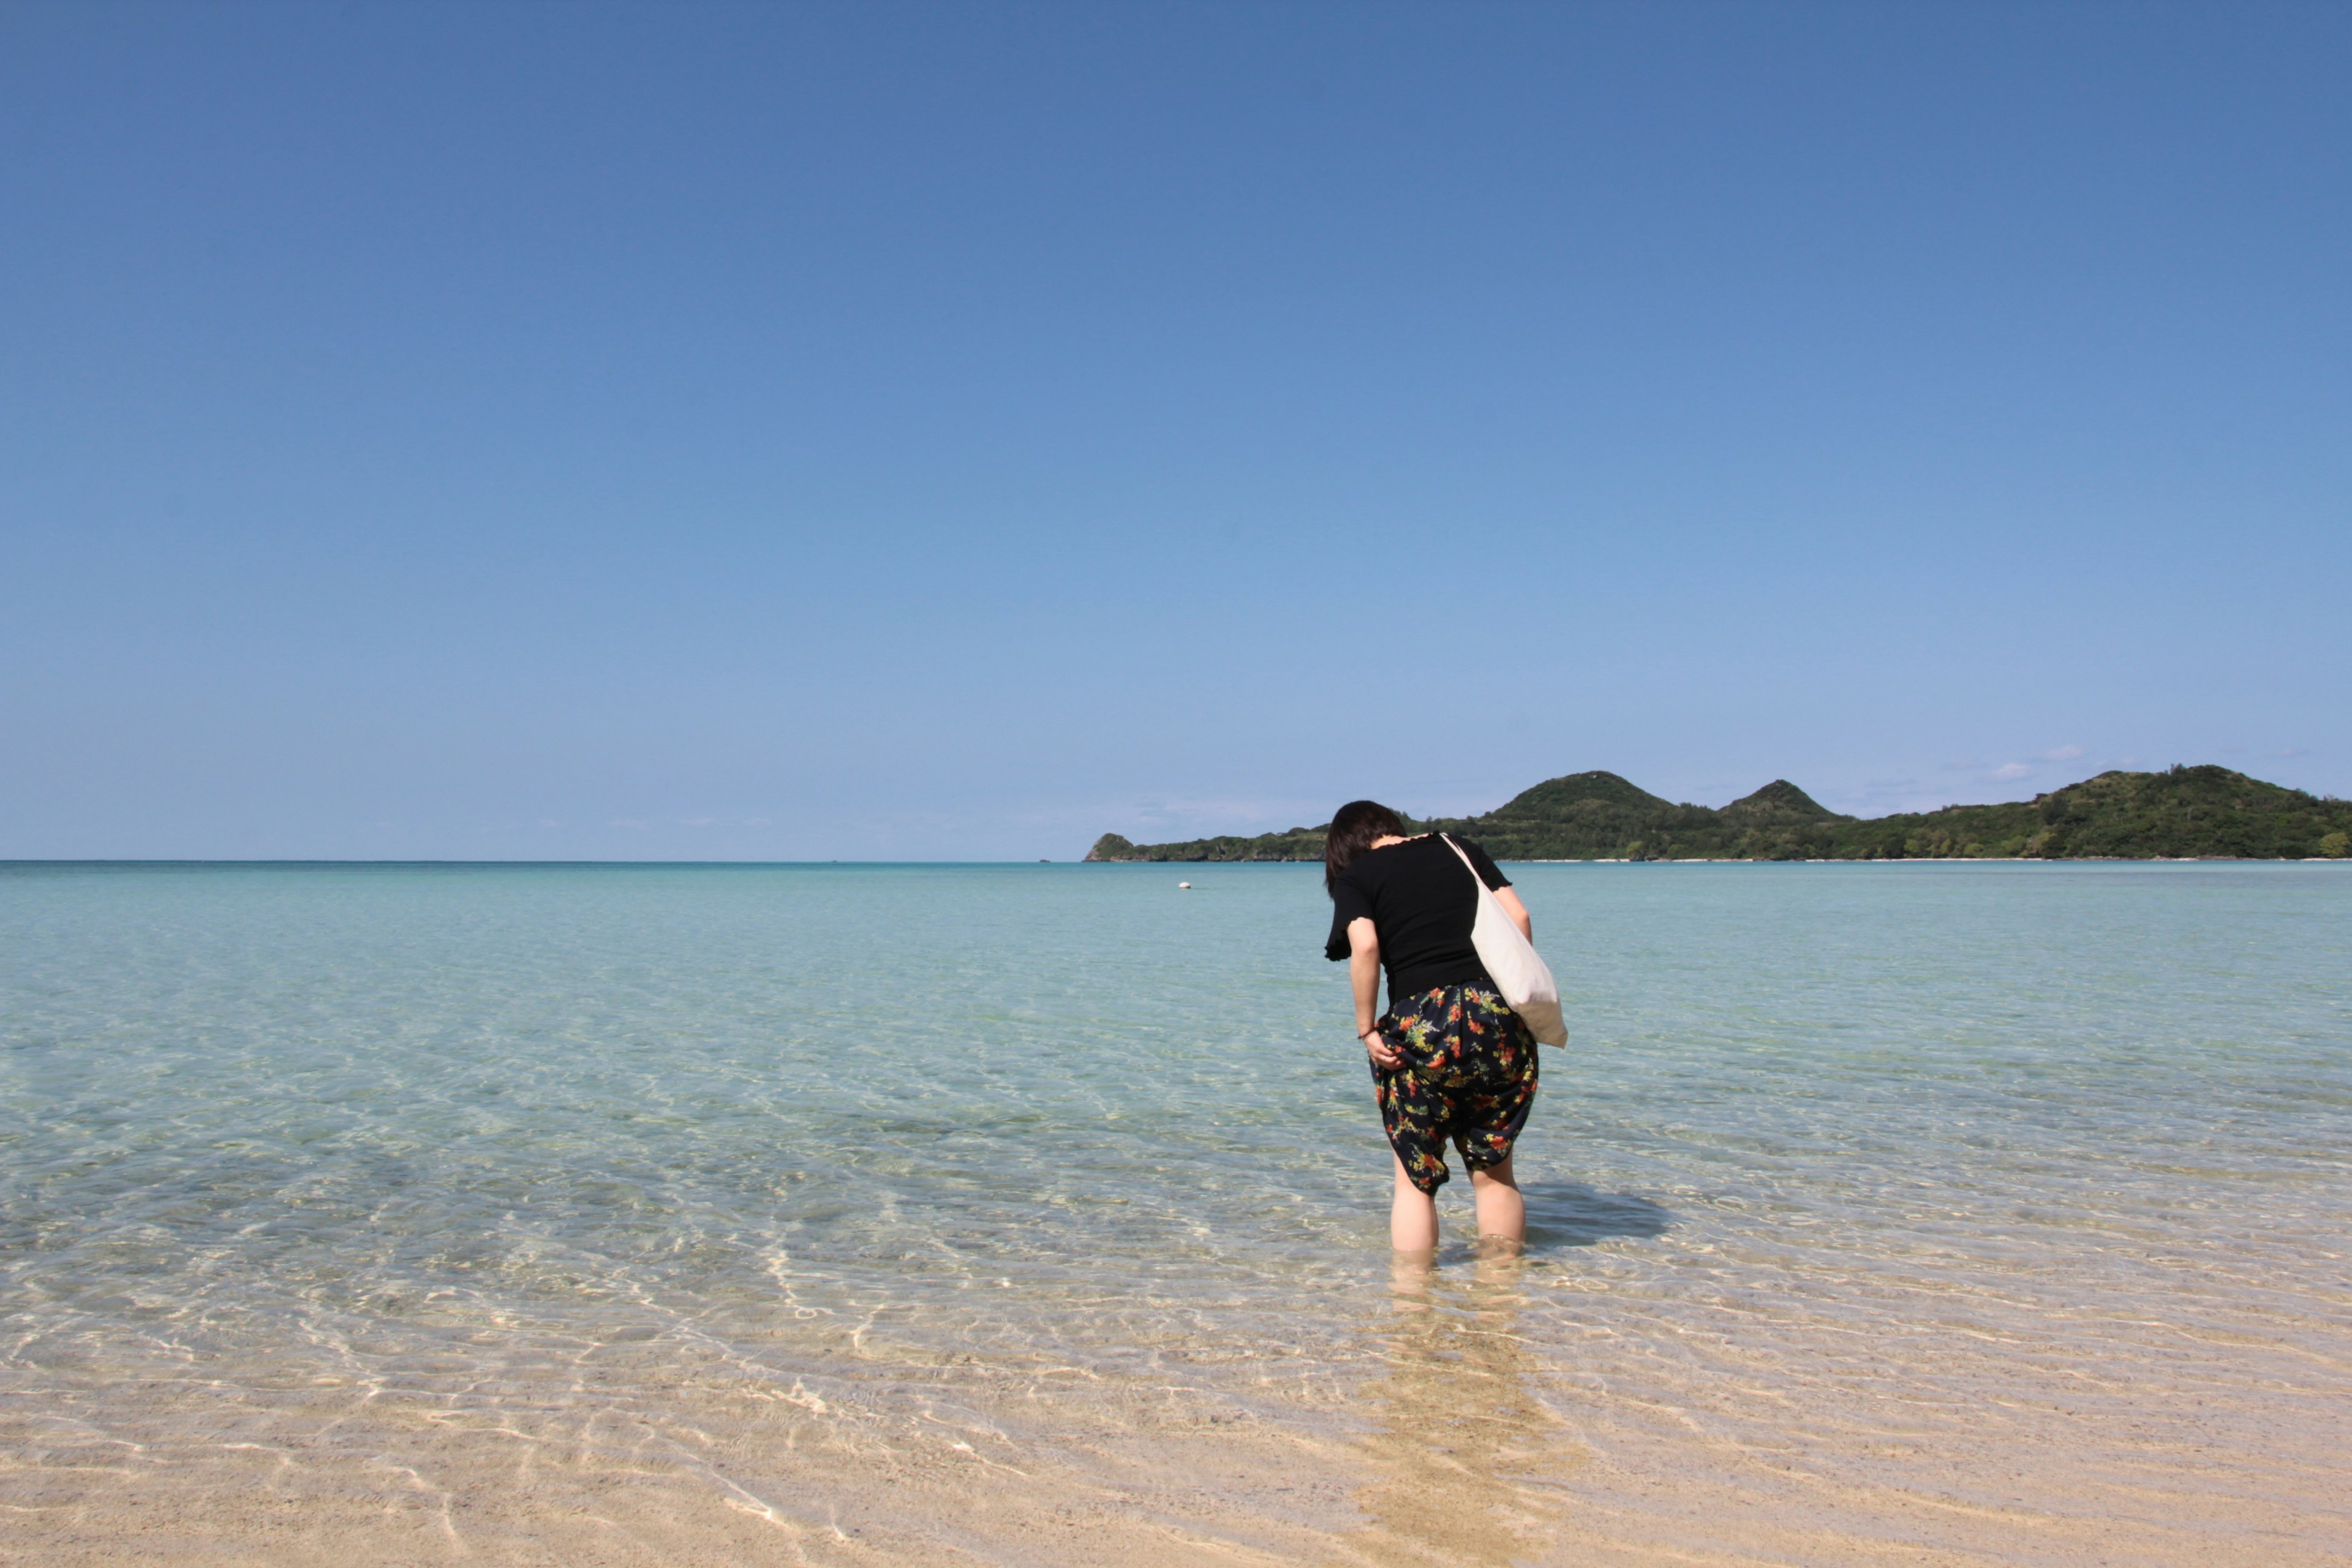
{"x":1861,"y":1176}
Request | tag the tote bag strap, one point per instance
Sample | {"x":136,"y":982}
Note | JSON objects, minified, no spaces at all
{"x":1463,"y":856}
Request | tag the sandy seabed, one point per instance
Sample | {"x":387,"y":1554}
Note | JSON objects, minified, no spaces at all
{"x":1470,"y":1445}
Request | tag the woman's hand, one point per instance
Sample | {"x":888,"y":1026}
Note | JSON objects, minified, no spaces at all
{"x":1385,"y":1056}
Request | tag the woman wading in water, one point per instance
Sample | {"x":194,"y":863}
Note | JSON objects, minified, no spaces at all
{"x":1451,"y":1061}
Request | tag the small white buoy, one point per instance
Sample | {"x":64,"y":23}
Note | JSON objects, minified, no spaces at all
{"x":1183,"y":884}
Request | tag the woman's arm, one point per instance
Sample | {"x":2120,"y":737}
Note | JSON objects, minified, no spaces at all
{"x":1364,"y":976}
{"x":1510,"y":898}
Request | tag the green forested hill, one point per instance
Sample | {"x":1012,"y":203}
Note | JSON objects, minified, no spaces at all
{"x":2183,"y":813}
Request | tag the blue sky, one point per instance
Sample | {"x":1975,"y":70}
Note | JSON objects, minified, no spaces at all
{"x":873,"y":431}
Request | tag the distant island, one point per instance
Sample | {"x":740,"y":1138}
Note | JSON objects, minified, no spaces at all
{"x":2183,"y":813}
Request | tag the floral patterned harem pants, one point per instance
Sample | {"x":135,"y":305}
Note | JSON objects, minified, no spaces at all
{"x":1468,"y":1076}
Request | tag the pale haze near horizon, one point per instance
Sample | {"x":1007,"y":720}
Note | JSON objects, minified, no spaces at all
{"x":954,"y":433}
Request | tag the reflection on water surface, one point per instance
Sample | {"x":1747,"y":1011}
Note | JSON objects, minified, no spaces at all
{"x":1463,"y":1440}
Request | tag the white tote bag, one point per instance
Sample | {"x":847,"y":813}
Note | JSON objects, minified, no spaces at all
{"x":1519,"y":972}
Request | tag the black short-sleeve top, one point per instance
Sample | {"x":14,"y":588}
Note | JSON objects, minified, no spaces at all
{"x":1423,"y":904}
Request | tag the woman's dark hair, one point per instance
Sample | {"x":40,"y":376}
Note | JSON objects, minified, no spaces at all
{"x":1353,"y":827}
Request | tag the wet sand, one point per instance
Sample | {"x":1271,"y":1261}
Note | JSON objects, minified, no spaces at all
{"x":1470,"y":1443}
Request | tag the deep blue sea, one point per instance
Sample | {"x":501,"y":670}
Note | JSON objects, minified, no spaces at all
{"x":1959,"y":1212}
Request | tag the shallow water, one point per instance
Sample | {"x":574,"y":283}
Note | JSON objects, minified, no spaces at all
{"x":1038,"y":1214}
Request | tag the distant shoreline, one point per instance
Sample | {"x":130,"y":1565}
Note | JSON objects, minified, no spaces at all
{"x":87,"y":864}
{"x":2183,"y":814}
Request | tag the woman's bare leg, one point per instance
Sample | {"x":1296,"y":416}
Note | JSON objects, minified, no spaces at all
{"x":1412,"y":1215}
{"x":1502,"y":1213}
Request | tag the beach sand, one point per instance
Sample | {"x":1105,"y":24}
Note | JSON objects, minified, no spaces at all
{"x":1469,"y":1446}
